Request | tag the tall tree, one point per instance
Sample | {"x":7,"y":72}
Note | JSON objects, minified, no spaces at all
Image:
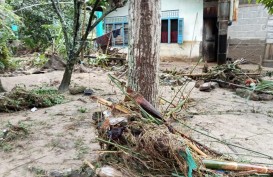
{"x":75,"y":42}
{"x":144,"y":45}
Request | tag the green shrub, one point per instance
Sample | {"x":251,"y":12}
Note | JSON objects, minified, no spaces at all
{"x":4,"y":57}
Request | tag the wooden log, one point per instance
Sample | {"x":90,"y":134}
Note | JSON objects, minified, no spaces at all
{"x":234,"y":166}
{"x":144,"y":103}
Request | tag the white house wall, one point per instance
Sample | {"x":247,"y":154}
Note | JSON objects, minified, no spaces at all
{"x":188,"y":9}
{"x":192,"y":12}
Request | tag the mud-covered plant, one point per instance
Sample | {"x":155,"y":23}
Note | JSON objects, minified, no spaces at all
{"x":82,"y":110}
{"x":20,"y":98}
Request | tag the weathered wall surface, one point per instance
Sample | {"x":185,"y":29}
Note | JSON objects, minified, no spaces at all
{"x":176,"y":52}
{"x":188,"y":9}
{"x":268,"y":56}
{"x":247,"y":36}
{"x":192,"y":12}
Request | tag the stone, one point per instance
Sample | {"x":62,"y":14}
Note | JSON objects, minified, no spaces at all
{"x":108,"y":171}
{"x":244,"y":93}
{"x":162,"y":76}
{"x":172,"y":82}
{"x":198,"y":83}
{"x":265,"y":97}
{"x":181,"y":81}
{"x":26,"y":72}
{"x":77,"y":90}
{"x":214,"y":85}
{"x":118,"y":120}
{"x":206,"y":87}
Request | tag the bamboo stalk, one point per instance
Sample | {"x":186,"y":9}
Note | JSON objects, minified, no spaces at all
{"x":112,"y":105}
{"x":234,"y":166}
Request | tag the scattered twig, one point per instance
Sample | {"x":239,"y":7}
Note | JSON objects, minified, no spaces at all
{"x":89,"y":164}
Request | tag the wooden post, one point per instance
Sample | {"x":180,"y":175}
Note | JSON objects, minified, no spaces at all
{"x":223,"y":19}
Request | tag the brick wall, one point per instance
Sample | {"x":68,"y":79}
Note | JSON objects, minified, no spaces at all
{"x":248,"y":35}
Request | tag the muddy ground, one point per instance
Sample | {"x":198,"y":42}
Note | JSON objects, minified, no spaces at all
{"x":62,"y":136}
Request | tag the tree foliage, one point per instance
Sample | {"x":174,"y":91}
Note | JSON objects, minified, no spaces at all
{"x":7,"y":18}
{"x":36,"y":14}
{"x":268,"y":4}
{"x":75,"y":37}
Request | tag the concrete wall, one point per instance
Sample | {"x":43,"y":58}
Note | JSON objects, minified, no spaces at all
{"x":251,"y":24}
{"x":192,"y":12}
{"x":268,"y":56}
{"x":247,"y":36}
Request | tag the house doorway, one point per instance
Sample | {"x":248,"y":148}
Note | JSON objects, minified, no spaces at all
{"x":210,"y":33}
{"x":174,"y":30}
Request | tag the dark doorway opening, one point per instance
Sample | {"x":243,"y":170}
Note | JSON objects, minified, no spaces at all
{"x":164,"y":31}
{"x":174,"y":30}
{"x":210,"y":32}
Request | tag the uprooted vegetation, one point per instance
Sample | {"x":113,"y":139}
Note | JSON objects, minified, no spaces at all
{"x":12,"y":133}
{"x":139,"y":141}
{"x":19,"y":98}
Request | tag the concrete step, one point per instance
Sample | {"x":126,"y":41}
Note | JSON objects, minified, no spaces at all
{"x":268,"y":63}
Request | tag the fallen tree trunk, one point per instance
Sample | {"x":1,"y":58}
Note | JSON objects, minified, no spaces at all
{"x":1,"y":87}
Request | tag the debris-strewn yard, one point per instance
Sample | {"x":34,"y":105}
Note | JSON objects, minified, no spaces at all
{"x":58,"y":139}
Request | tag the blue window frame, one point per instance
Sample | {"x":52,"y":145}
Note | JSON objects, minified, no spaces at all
{"x":113,"y":23}
{"x":172,"y":30}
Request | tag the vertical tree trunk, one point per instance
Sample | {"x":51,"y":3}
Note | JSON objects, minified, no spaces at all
{"x":144,"y":45}
{"x":67,"y":74}
{"x":1,"y":87}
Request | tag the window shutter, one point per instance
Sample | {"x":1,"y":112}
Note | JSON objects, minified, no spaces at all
{"x":180,"y":30}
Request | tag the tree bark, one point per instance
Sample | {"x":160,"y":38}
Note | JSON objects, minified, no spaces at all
{"x":1,"y":87}
{"x":67,"y":74}
{"x":73,"y":42}
{"x":144,"y":45}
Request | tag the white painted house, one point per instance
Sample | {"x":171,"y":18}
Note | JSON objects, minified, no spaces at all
{"x":181,"y":28}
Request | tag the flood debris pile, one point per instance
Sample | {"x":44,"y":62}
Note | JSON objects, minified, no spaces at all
{"x":19,"y":98}
{"x":173,"y":77}
{"x":139,"y":141}
{"x":246,"y":85}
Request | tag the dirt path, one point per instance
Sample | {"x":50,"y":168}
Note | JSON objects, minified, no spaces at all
{"x":61,"y":137}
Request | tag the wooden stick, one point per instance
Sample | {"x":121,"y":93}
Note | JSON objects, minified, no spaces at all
{"x":89,"y":164}
{"x":195,"y":148}
{"x":208,"y":74}
{"x":112,"y":105}
{"x":234,"y":166}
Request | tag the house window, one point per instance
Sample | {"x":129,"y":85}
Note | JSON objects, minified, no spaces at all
{"x":171,"y":27}
{"x":121,"y":23}
{"x":172,"y":30}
